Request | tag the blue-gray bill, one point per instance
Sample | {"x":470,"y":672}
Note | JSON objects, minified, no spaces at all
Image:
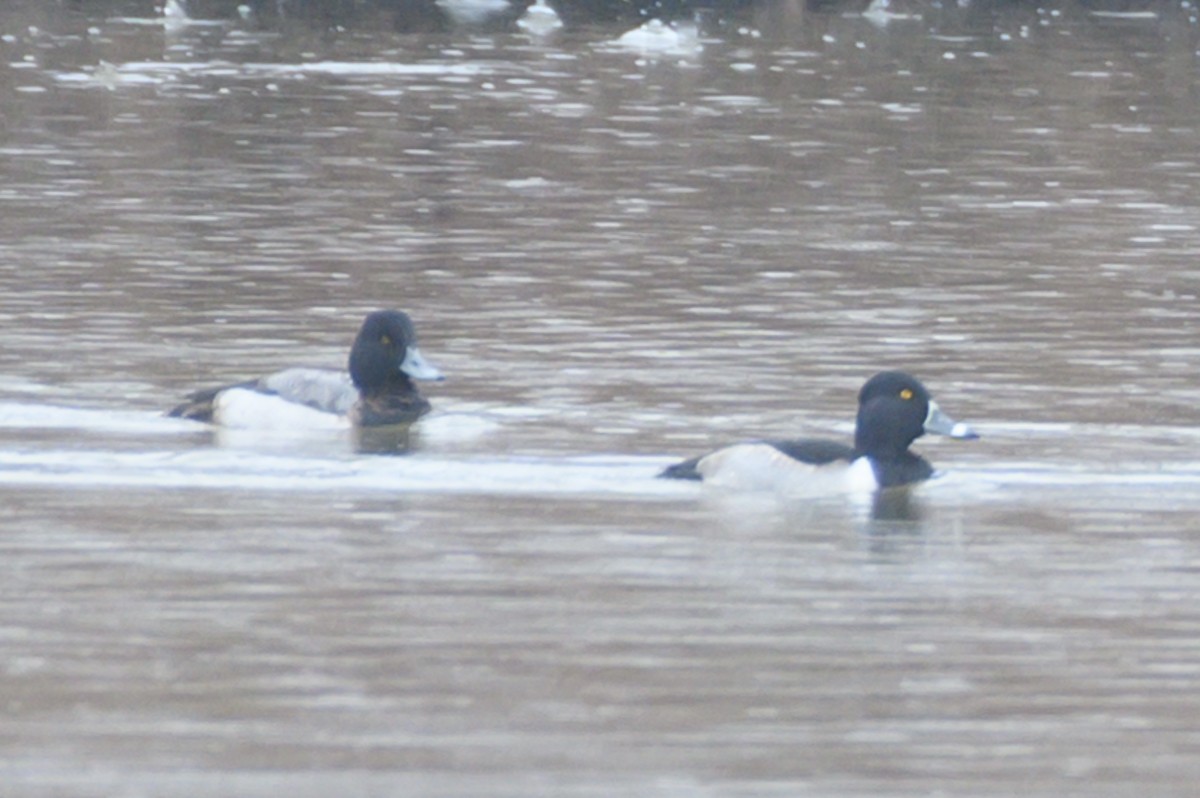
{"x":939,"y":423}
{"x":416,"y":366}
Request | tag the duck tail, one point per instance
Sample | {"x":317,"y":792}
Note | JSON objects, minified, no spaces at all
{"x":685,"y":470}
{"x":200,"y":405}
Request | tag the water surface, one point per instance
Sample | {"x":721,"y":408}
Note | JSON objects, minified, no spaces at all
{"x":619,"y":256}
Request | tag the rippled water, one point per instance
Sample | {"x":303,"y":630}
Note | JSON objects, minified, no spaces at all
{"x":619,"y":256}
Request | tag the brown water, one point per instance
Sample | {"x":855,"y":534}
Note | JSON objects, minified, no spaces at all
{"x":618,"y":257}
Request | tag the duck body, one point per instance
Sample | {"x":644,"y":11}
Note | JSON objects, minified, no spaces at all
{"x":376,"y":390}
{"x":894,"y":409}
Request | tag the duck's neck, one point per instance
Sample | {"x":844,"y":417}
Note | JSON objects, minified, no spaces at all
{"x":879,"y":436}
{"x":879,"y":449}
{"x":902,"y":469}
{"x":396,"y":402}
{"x":397,"y":388}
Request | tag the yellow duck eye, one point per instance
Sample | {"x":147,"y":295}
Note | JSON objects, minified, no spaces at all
{"x":385,"y":339}
{"x":906,"y":394}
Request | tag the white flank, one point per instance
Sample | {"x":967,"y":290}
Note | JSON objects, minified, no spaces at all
{"x":762,"y":467}
{"x":239,"y":408}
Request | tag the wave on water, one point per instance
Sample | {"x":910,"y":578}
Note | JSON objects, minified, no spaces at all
{"x":658,"y":38}
{"x":33,"y":416}
{"x":227,"y":469}
{"x":158,"y":72}
{"x":59,"y":460}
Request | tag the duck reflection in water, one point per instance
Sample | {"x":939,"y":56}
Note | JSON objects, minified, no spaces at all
{"x":896,"y":530}
{"x":394,"y":439}
{"x":896,"y":505}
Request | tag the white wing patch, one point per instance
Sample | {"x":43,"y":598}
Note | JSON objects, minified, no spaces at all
{"x":762,"y":467}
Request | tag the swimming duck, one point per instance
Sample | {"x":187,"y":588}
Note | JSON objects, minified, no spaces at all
{"x":377,"y":390}
{"x":894,"y":409}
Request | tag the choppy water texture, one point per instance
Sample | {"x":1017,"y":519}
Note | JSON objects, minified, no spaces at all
{"x":620,"y":253}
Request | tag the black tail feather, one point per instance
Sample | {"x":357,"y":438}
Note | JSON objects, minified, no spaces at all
{"x":684,"y":470}
{"x":199,"y":405}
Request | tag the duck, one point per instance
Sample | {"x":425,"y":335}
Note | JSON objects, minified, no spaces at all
{"x":894,"y":409}
{"x":376,"y":390}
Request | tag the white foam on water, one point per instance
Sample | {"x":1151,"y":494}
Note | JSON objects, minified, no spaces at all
{"x":31,"y":416}
{"x":293,"y":462}
{"x":469,"y":12}
{"x":242,"y":470}
{"x":135,"y":73}
{"x":658,"y":38}
{"x":539,"y":19}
